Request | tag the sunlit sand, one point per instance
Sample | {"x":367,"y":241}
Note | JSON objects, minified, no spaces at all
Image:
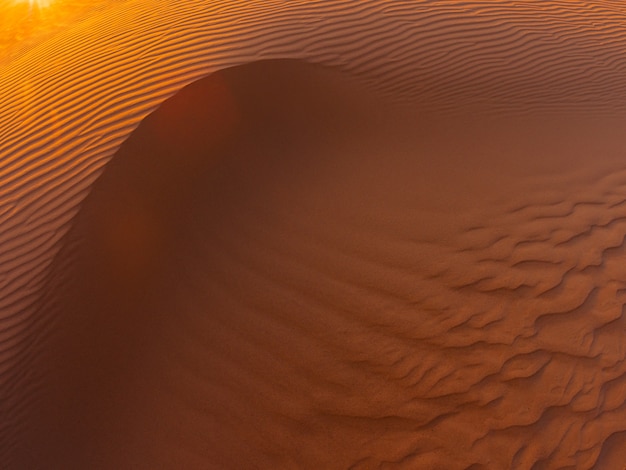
{"x":36,"y":3}
{"x":312,"y":235}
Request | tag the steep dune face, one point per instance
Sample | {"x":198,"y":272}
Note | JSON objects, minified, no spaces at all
{"x":279,"y":291}
{"x":296,"y":275}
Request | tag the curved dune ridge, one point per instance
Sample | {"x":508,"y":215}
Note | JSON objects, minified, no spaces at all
{"x":249,"y":301}
{"x":435,"y":282}
{"x":259,"y":299}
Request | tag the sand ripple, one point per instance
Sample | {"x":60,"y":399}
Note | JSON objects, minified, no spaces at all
{"x":440,"y":289}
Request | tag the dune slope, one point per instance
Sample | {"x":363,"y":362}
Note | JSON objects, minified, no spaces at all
{"x":278,"y":291}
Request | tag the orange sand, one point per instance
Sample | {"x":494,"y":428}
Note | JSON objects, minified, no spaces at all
{"x":409,"y":256}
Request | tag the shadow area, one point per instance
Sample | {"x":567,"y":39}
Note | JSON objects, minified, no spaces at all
{"x":166,"y":277}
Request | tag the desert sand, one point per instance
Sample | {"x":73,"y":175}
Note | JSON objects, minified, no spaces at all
{"x":351,"y":235}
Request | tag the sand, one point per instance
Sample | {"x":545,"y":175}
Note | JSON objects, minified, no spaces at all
{"x":313,"y":235}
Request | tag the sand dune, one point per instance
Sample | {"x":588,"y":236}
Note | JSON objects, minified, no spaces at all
{"x":407,"y":257}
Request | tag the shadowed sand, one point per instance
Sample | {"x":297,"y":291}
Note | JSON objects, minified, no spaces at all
{"x":279,"y":270}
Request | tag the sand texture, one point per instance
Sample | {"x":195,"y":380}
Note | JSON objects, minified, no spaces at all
{"x":310,"y":235}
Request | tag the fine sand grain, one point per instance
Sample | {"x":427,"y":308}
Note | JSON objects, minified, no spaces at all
{"x":401,"y":245}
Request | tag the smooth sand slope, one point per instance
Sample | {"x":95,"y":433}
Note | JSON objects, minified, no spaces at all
{"x":409,"y":257}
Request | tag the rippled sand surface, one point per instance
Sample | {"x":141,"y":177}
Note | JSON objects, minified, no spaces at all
{"x":313,"y":235}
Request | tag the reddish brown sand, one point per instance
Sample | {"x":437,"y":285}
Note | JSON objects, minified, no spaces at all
{"x":411,"y":257}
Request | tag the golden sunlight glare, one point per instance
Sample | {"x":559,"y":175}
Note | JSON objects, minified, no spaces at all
{"x":36,"y":3}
